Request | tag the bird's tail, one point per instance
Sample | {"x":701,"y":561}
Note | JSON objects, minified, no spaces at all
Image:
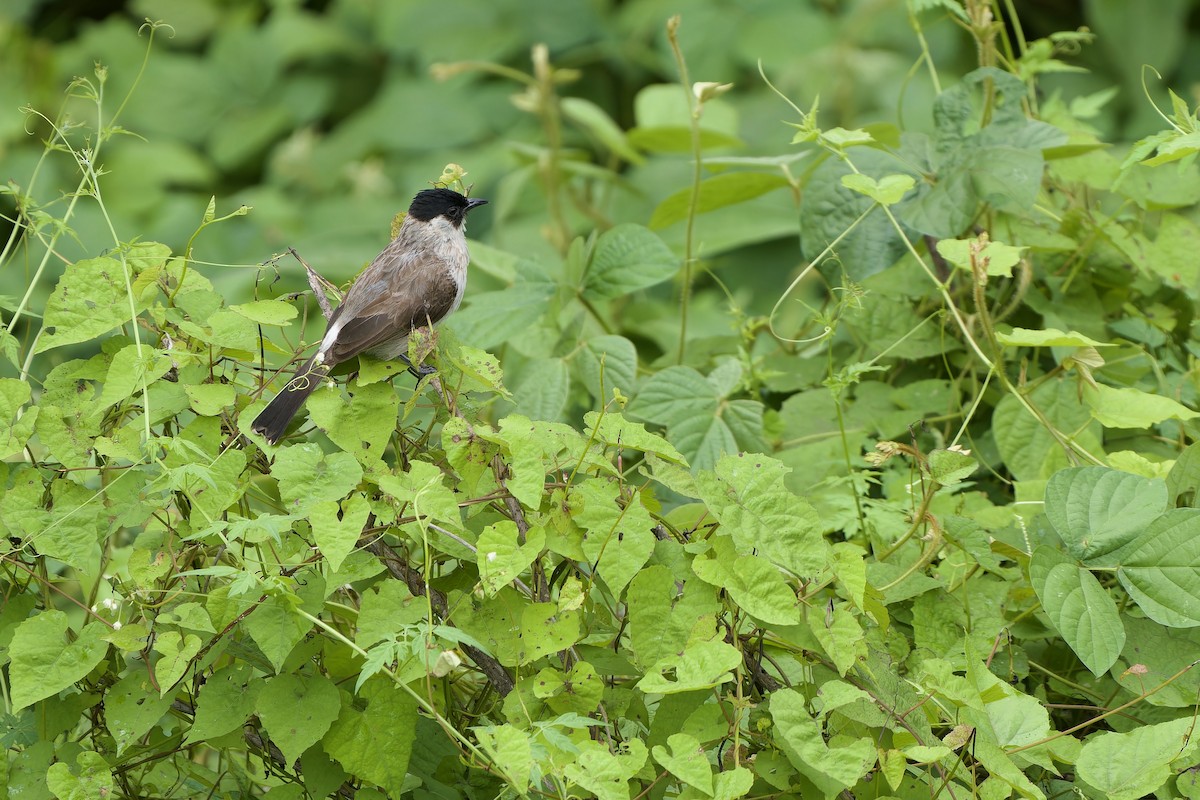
{"x":273,"y":420}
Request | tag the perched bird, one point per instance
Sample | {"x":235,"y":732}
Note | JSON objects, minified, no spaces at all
{"x":417,"y":280}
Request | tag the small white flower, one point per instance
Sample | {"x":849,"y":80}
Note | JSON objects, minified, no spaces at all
{"x":117,"y":625}
{"x":491,"y":556}
{"x":93,"y":609}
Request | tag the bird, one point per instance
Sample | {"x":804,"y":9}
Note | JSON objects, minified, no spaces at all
{"x":418,"y":279}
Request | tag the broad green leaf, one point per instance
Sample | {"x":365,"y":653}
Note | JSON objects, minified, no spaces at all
{"x":841,"y":637}
{"x":799,"y":736}
{"x":613,"y":429}
{"x":421,"y":491}
{"x":661,"y":619}
{"x":1097,"y":511}
{"x":746,"y":493}
{"x":541,"y":389}
{"x":605,"y":363}
{"x":386,"y":611}
{"x":949,"y":467}
{"x":722,"y":190}
{"x":1127,"y":766}
{"x":1083,"y":612}
{"x":755,"y":584}
{"x":225,"y":702}
{"x":336,"y":528}
{"x":1030,"y":451}
{"x":267,"y":312}
{"x":297,"y":710}
{"x":1047,"y":337}
{"x":628,"y":257}
{"x":1003,"y":770}
{"x":14,"y":432}
{"x":617,"y":537}
{"x":176,"y":651}
{"x":500,"y":558}
{"x":545,"y":629}
{"x":887,"y":191}
{"x":578,"y":691}
{"x":604,"y":773}
{"x":131,"y":708}
{"x":92,"y":778}
{"x":210,"y":399}
{"x":685,"y":760}
{"x":511,"y":753}
{"x":361,"y":425}
{"x":308,"y":476}
{"x":830,"y":212}
{"x":596,"y":121}
{"x":1172,"y":256}
{"x":1000,"y":258}
{"x":1133,"y":408}
{"x":42,"y":663}
{"x":131,"y":368}
{"x":92,"y":298}
{"x":681,"y":399}
{"x":703,"y":665}
{"x":275,"y":626}
{"x":375,"y":744}
{"x":1161,"y":570}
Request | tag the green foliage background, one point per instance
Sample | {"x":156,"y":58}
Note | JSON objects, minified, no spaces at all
{"x":781,"y":447}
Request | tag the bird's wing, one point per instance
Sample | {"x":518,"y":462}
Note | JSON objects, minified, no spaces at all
{"x":388,"y":305}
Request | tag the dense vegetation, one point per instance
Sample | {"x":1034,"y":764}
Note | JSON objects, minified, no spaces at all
{"x":783,"y":446}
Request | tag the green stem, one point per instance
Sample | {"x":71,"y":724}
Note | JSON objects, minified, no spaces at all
{"x":694,"y":109}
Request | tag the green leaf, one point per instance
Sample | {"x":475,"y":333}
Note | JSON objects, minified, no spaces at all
{"x":754,"y":583}
{"x":628,"y":257}
{"x":661,"y":618}
{"x":500,"y":558}
{"x":308,"y":476}
{"x":1097,"y":511}
{"x":605,"y":363}
{"x":1028,"y":449}
{"x":1081,"y":610}
{"x":579,"y":691}
{"x":132,"y":367}
{"x":887,"y":191}
{"x":799,"y":736}
{"x":542,"y":388}
{"x":703,"y":665}
{"x":616,"y":431}
{"x":177,"y":652}
{"x":746,"y":493}
{"x":1047,"y":337}
{"x":686,"y":760}
{"x":225,"y":702}
{"x":42,"y":663}
{"x":1127,"y":766}
{"x":267,"y":312}
{"x":511,"y":753}
{"x":999,"y":258}
{"x":275,"y":626}
{"x":681,"y":399}
{"x":297,"y":710}
{"x":723,"y":190}
{"x":16,"y":421}
{"x":91,"y":779}
{"x":375,"y":744}
{"x":546,"y":629}
{"x":91,"y":299}
{"x":1161,"y":570}
{"x":336,"y":527}
{"x":606,"y":774}
{"x":841,"y":637}
{"x":1133,"y":408}
{"x":949,"y":467}
{"x":830,"y":212}
{"x":363,"y":425}
{"x":596,"y":121}
{"x":210,"y":399}
{"x":617,"y":538}
{"x":131,"y":708}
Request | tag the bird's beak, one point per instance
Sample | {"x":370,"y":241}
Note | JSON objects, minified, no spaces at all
{"x":475,"y":201}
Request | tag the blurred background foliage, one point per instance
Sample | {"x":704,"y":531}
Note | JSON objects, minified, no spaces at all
{"x":327,"y":116}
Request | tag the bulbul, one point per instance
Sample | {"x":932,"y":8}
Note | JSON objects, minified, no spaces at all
{"x":417,"y":280}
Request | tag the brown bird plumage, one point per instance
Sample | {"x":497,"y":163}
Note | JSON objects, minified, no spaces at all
{"x":417,"y":280}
